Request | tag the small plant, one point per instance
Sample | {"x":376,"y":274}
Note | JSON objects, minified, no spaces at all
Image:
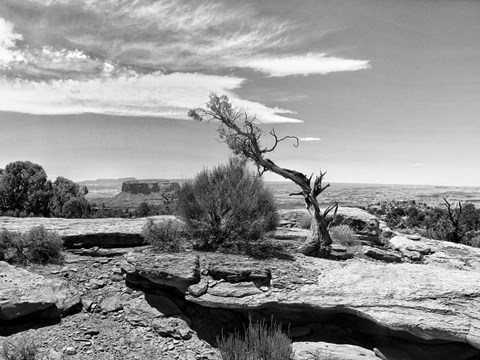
{"x":305,"y":221}
{"x":164,"y":236}
{"x":43,"y":246}
{"x":260,"y":342}
{"x":21,"y":349}
{"x":344,"y":235}
{"x":37,"y":246}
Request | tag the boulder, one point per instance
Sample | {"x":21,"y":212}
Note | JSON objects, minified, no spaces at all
{"x":147,"y":270}
{"x":383,"y":255}
{"x":323,"y":350}
{"x":23,"y":293}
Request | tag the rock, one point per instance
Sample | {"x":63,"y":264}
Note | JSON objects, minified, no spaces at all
{"x":412,"y":255}
{"x":138,"y":312}
{"x":239,"y":270}
{"x":431,"y":301}
{"x":23,"y":293}
{"x":403,"y":244}
{"x":198,"y":289}
{"x":323,"y":350}
{"x":87,"y":233}
{"x":113,"y":302}
{"x":176,"y":328}
{"x":414,"y":237}
{"x":383,"y":255}
{"x":177,"y":271}
{"x":237,"y":290}
{"x":69,"y":350}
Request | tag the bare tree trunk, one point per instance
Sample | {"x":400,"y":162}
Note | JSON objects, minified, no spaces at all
{"x":318,"y":242}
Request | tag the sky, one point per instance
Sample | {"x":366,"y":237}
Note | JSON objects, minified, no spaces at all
{"x":378,"y":91}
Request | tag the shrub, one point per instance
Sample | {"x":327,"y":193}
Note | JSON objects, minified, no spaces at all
{"x":227,"y":208}
{"x":164,"y":236}
{"x":22,"y":349}
{"x":37,"y":246}
{"x":11,"y":247}
{"x":305,"y":221}
{"x":43,"y":246}
{"x":260,"y":342}
{"x":343,"y":235}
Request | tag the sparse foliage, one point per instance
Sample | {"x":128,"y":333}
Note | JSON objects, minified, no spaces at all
{"x":20,"y":349}
{"x":259,"y":342}
{"x":37,"y":246}
{"x":241,"y":133}
{"x":344,"y":235}
{"x":227,"y":207}
{"x":165,"y":235}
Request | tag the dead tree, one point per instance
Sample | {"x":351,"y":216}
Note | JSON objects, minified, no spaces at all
{"x":240,"y":132}
{"x":454,"y":217}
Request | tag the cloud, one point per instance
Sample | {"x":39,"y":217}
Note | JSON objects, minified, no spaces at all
{"x":144,"y":58}
{"x":305,"y":65}
{"x":8,"y":38}
{"x":155,"y":94}
{"x":309,"y":139}
{"x":417,"y":164}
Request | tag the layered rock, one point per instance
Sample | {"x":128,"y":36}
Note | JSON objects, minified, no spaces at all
{"x":417,"y":309}
{"x":23,"y":294}
{"x":87,"y":233}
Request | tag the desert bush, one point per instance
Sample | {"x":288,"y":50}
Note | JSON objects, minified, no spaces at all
{"x":260,"y":342}
{"x":11,"y":247}
{"x":305,"y":221}
{"x":21,"y":349}
{"x":227,"y":208}
{"x":164,"y":236}
{"x":38,"y":246}
{"x":43,"y":246}
{"x":344,"y":235}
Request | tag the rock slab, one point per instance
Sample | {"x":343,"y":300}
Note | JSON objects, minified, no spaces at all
{"x":23,"y":293}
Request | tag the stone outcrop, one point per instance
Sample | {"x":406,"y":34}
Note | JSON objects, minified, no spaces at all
{"x":87,"y":233}
{"x":147,"y":187}
{"x":323,"y":350}
{"x":174,"y":271}
{"x":428,"y":310}
{"x":24,"y":294}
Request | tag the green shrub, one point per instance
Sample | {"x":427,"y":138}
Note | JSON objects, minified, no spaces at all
{"x":227,"y":208}
{"x":43,"y":246}
{"x":260,"y":342}
{"x":305,"y":221}
{"x":164,"y":236}
{"x":21,"y":349}
{"x":38,"y":246}
{"x":343,"y":235}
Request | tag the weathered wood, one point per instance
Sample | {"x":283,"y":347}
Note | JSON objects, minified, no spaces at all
{"x":239,"y":131}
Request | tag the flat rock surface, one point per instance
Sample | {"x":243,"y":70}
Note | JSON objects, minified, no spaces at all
{"x":23,"y":293}
{"x":323,"y":350}
{"x":110,"y":232}
{"x":438,"y":299}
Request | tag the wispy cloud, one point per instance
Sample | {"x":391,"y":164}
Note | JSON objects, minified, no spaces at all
{"x":143,"y":58}
{"x":309,"y":139}
{"x":155,"y":94}
{"x":305,"y":65}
